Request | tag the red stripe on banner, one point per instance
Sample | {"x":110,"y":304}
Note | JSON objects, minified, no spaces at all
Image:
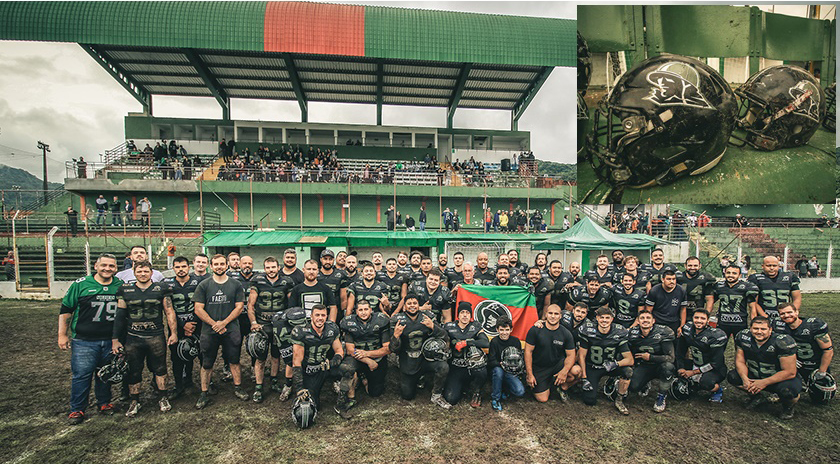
{"x":324,"y":29}
{"x":523,"y":318}
{"x":320,"y":208}
{"x":343,"y":219}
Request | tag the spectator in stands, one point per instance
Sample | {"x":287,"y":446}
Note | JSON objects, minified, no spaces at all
{"x":741,"y":221}
{"x":399,"y":219}
{"x":488,"y":220}
{"x":170,"y":254}
{"x":179,"y":173}
{"x":114,"y":206}
{"x":390,"y":217}
{"x":422,"y":218}
{"x":703,"y":220}
{"x":724,"y":263}
{"x":148,"y":149}
{"x":456,"y":221}
{"x":802,"y":266}
{"x":145,"y":207}
{"x":409,"y":222}
{"x":537,"y":220}
{"x":130,"y":146}
{"x":503,"y":221}
{"x":9,"y":264}
{"x":813,"y":267}
{"x":128,"y":211}
{"x":81,"y":168}
{"x":182,"y":151}
{"x":566,"y":224}
{"x":72,"y":220}
{"x":101,"y":206}
{"x":223,"y":152}
{"x":447,"y":218}
{"x":521,"y":220}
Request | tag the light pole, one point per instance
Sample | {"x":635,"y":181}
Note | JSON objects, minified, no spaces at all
{"x":44,"y":148}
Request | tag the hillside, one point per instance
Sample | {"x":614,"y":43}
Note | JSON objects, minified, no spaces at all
{"x":567,"y":172}
{"x":9,"y":177}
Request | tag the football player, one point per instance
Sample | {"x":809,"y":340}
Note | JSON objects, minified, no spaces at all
{"x":370,"y":289}
{"x":605,"y":351}
{"x":402,"y":262}
{"x":775,"y":287}
{"x":267,"y":296}
{"x":594,"y":295}
{"x":618,"y":261}
{"x":504,"y":260}
{"x":284,"y":322}
{"x":814,"y":349}
{"x":410,"y":329}
{"x":417,"y":279}
{"x":233,"y":264}
{"x":455,"y":274}
{"x":469,"y":277}
{"x":601,"y":273}
{"x":737,"y":301}
{"x":341,"y":260}
{"x":667,"y":301}
{"x":314,"y":291}
{"x":657,"y":266}
{"x":652,"y":346}
{"x":86,"y":323}
{"x":310,"y":365}
{"x":627,"y":300}
{"x":377,"y":260}
{"x":573,"y":319}
{"x":500,"y":347}
{"x":218,"y":302}
{"x":367,"y":336}
{"x":330,"y":276}
{"x":550,"y":357}
{"x":396,"y":284}
{"x":765,"y":360}
{"x":351,"y":274}
{"x":484,"y":273}
{"x":436,"y":298}
{"x":706,"y":345}
{"x":200,"y":263}
{"x":541,"y":287}
{"x":443,"y":260}
{"x":139,"y":322}
{"x":183,"y":287}
{"x":290,"y":266}
{"x":245,"y":276}
{"x":464,"y":369}
{"x":698,"y":285}
{"x":513,"y":261}
{"x":631,"y":266}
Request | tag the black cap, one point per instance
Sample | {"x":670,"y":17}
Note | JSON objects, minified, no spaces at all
{"x":328,"y":252}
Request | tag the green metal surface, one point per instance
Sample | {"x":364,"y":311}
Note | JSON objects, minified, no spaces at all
{"x":215,"y":25}
{"x":719,"y":31}
{"x":744,"y":176}
{"x":792,"y":38}
{"x":804,"y":211}
{"x":356,"y":238}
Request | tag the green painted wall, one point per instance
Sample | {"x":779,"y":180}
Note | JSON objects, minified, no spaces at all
{"x":755,"y":211}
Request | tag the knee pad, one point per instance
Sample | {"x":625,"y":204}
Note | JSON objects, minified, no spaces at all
{"x":707,"y":382}
{"x":733,"y":378}
{"x":626,"y":372}
{"x":667,"y":371}
{"x":787,"y":393}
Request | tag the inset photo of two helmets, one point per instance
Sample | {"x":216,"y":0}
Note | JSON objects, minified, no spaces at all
{"x":706,"y":104}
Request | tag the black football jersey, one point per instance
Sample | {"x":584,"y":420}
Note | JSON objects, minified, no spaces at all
{"x":453,"y":277}
{"x":658,"y":342}
{"x":581,"y":295}
{"x":607,"y":277}
{"x":316,"y":346}
{"x":763,"y":361}
{"x":409,"y":346}
{"x":560,"y":295}
{"x":603,"y":347}
{"x":182,"y":298}
{"x":734,"y":301}
{"x":367,"y":335}
{"x":808,"y":351}
{"x":349,"y":279}
{"x":143,"y":314}
{"x":372,"y":294}
{"x":626,"y":307}
{"x":334,"y":281}
{"x":441,"y":300}
{"x":772,"y":292}
{"x":486,"y":276}
{"x":706,"y":346}
{"x":271,"y":296}
{"x":656,"y":274}
{"x":297,"y":275}
{"x":284,"y":322}
{"x":642,"y":279}
{"x":615,"y":268}
{"x":245,"y":281}
{"x":473,"y":334}
{"x":543,"y":287}
{"x":697,"y":287}
{"x":394,"y":286}
{"x":568,"y":321}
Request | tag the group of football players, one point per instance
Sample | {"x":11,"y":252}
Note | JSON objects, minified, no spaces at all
{"x":624,"y":325}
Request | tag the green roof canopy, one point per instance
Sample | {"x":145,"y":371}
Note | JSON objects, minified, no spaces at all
{"x":354,"y":238}
{"x":586,"y":235}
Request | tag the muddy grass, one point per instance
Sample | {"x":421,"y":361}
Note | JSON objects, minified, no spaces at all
{"x":34,"y":394}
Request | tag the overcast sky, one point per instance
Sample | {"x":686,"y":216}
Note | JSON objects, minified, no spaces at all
{"x":54,"y":92}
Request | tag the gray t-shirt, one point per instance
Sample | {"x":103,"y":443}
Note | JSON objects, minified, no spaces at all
{"x":219,"y":299}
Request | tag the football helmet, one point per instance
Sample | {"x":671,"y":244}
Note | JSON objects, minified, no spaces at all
{"x":830,"y":120}
{"x":475,"y":357}
{"x":680,"y":388}
{"x":611,"y":387}
{"x":512,"y":360}
{"x":668,"y":117}
{"x":187,"y":349}
{"x":780,"y":107}
{"x":257,"y":344}
{"x":115,"y":370}
{"x":821,"y":390}
{"x":584,"y":64}
{"x":435,"y":349}
{"x":304,"y":410}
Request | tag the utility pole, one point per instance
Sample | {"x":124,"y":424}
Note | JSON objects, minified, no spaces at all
{"x":44,"y":148}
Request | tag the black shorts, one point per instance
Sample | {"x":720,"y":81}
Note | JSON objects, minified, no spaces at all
{"x":786,"y":389}
{"x":732,"y":329}
{"x":314,"y":379}
{"x":230,"y":341}
{"x":545,"y":376}
{"x":149,"y":350}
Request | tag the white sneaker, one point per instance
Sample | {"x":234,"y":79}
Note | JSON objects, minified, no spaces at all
{"x":133,"y":409}
{"x":438,"y":400}
{"x":164,"y":404}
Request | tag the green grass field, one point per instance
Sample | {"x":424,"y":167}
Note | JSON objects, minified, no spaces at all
{"x":35,"y":385}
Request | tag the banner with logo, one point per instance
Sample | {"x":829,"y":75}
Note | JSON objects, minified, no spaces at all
{"x":491,"y":302}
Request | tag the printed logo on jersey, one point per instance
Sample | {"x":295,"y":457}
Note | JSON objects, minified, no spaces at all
{"x":806,"y":100}
{"x":675,"y":302}
{"x":806,"y":332}
{"x":487,"y":313}
{"x":676,"y":84}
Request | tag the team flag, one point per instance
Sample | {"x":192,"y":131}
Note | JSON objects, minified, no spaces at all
{"x":491,"y":302}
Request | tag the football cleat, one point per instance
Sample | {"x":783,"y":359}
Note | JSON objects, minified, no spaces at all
{"x":437,"y":399}
{"x":240,"y":393}
{"x":787,"y":412}
{"x":164,"y":404}
{"x":106,"y":409}
{"x":717,"y":395}
{"x":258,"y":396}
{"x":286,"y":392}
{"x":203,"y":401}
{"x":619,"y":404}
{"x":659,"y":406}
{"x":755,"y":401}
{"x":133,"y":409}
{"x":564,"y":397}
{"x":76,"y":417}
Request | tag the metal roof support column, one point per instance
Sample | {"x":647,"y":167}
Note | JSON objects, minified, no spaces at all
{"x":293,"y":76}
{"x":528,"y":97}
{"x":212,"y":84}
{"x":135,"y":89}
{"x":456,"y":94}
{"x":380,"y":79}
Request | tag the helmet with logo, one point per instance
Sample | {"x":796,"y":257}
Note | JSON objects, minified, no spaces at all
{"x":780,"y":107}
{"x":821,"y":387}
{"x":830,"y":120}
{"x":257,"y":344}
{"x":304,"y":410}
{"x":187,"y":349}
{"x":584,"y":64}
{"x":435,"y":349}
{"x":115,"y":370}
{"x":475,"y":357}
{"x":512,"y":360}
{"x":668,"y":117}
{"x":680,"y":388}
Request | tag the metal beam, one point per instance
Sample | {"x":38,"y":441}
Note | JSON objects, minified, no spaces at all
{"x":457,"y":92}
{"x":295,"y":78}
{"x":380,"y":79}
{"x":135,"y":89}
{"x":528,"y":97}
{"x":210,"y":81}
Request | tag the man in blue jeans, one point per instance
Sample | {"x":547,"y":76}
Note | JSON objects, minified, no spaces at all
{"x":85,"y":323}
{"x":501,"y":347}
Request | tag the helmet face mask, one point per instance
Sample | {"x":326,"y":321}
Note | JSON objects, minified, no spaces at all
{"x":512,"y":360}
{"x":680,"y":388}
{"x":821,"y":390}
{"x":668,"y":117}
{"x":584,"y":64}
{"x":304,"y":411}
{"x":115,"y":370}
{"x":187,"y":349}
{"x":476,"y":359}
{"x":257,"y":345}
{"x":435,"y":349}
{"x":780,"y":107}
